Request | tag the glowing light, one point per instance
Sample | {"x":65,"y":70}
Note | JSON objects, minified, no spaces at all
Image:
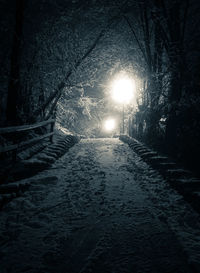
{"x":109,"y":125}
{"x":123,"y":90}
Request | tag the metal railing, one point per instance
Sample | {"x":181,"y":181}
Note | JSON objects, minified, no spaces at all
{"x":14,"y":148}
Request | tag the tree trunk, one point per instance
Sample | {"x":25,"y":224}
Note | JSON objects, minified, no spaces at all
{"x":14,"y":81}
{"x":176,"y":70}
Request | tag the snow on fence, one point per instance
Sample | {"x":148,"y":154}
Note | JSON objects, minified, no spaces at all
{"x":15,"y":129}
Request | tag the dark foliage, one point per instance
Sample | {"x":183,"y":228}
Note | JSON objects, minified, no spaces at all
{"x":58,"y":56}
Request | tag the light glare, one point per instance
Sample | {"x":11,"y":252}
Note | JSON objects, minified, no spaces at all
{"x":109,"y":125}
{"x":122,"y":90}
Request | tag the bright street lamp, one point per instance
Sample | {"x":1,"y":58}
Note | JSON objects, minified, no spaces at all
{"x":123,"y":92}
{"x":109,"y":125}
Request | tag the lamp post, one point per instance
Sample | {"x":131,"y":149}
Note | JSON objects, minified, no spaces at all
{"x":123,"y":120}
{"x":122,"y":92}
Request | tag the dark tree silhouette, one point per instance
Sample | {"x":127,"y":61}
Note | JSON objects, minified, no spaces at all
{"x":14,"y":82}
{"x":89,"y":42}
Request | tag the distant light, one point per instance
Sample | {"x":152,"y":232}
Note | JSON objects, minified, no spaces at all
{"x":109,"y":125}
{"x":123,"y":90}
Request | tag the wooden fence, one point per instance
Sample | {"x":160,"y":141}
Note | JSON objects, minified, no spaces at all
{"x":14,"y":148}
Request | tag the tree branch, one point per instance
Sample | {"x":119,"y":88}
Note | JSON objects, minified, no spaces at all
{"x":58,"y":91}
{"x":136,"y":38}
{"x":184,"y":21}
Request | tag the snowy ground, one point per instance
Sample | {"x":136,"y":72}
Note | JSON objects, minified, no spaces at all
{"x":99,"y":209}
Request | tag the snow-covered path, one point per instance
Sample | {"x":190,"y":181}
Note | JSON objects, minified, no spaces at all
{"x":99,"y":209}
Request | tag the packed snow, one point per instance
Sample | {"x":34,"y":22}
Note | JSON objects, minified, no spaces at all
{"x":99,"y":209}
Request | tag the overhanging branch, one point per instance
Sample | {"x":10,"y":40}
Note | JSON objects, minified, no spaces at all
{"x":58,"y":91}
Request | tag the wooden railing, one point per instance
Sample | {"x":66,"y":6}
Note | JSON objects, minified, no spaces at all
{"x":14,"y":148}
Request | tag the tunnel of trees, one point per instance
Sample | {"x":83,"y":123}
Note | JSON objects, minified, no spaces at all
{"x":58,"y":57}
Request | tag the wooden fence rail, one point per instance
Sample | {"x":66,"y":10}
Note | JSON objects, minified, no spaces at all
{"x":15,"y":129}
